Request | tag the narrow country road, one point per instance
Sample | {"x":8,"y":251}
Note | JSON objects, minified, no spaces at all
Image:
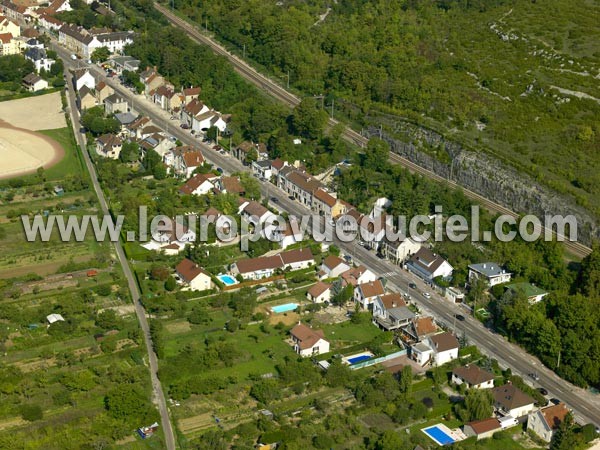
{"x":158,"y":394}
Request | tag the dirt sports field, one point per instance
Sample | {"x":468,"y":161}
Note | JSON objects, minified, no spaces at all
{"x":22,"y":150}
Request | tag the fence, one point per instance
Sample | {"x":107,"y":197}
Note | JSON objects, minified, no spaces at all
{"x":372,"y":362}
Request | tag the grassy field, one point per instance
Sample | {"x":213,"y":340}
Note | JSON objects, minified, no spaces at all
{"x":72,"y":162}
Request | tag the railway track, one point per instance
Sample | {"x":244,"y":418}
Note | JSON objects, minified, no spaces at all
{"x":278,"y":92}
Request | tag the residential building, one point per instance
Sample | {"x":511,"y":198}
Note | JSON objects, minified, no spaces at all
{"x":419,"y":329}
{"x":190,"y":94}
{"x":9,"y":45}
{"x":482,"y":429}
{"x":193,"y":275}
{"x":166,"y":97}
{"x":103,"y":91}
{"x":512,"y":401}
{"x":445,"y":347}
{"x":209,"y":119}
{"x":33,"y":82}
{"x":83,"y":77}
{"x":366,"y":293}
{"x":299,"y":184}
{"x":173,"y":232}
{"x":86,"y":98}
{"x":255,"y":213}
{"x":151,"y":80}
{"x":109,"y":146}
{"x":332,"y":267}
{"x":266,"y":266}
{"x":490,"y":272}
{"x":545,"y":421}
{"x":428,"y":265}
{"x":230,"y":185}
{"x":277,"y":165}
{"x":473,"y":377}
{"x":83,"y":42}
{"x":327,"y":205}
{"x":399,"y":250}
{"x":199,"y":184}
{"x":421,"y":353}
{"x":242,"y":151}
{"x":533,"y":293}
{"x":357,"y":275}
{"x":390,"y":312}
{"x":184,"y":160}
{"x":57,"y":6}
{"x":263,"y":169}
{"x":8,"y":26}
{"x":319,"y":293}
{"x":49,"y":23}
{"x":39,"y":58}
{"x":121,"y":63}
{"x":286,"y":234}
{"x":115,"y":104}
{"x":191,"y":110}
{"x":223,"y":224}
{"x":308,"y":342}
{"x":372,"y":230}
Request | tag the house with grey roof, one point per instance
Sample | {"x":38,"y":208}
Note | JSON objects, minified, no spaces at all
{"x":428,"y":265}
{"x":490,"y":272}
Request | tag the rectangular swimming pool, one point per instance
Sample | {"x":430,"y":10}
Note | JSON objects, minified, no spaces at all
{"x":358,"y":359}
{"x":227,"y":280}
{"x":436,"y":433}
{"x":284,"y":308}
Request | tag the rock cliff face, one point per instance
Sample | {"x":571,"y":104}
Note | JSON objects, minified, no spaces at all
{"x":482,"y":173}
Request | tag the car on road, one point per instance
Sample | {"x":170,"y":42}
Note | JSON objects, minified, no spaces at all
{"x":426,"y":295}
{"x":555,"y":401}
{"x":412,"y":285}
{"x":291,"y":197}
{"x":348,"y":258}
{"x":542,"y":391}
{"x":185,"y":126}
{"x":459,"y":317}
{"x":274,"y":199}
{"x":534,"y":375}
{"x":73,"y":56}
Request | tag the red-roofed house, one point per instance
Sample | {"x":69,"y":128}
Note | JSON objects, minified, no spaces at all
{"x":199,"y":184}
{"x":308,"y":342}
{"x":333,"y":266}
{"x":365,"y":294}
{"x":473,"y":377}
{"x":319,"y":293}
{"x":327,"y":205}
{"x":482,"y":429}
{"x":193,"y":275}
{"x":545,"y":421}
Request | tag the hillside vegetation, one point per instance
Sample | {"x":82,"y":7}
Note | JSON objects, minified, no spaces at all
{"x":518,"y":79}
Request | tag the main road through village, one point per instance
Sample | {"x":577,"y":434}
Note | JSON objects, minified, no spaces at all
{"x":586,"y":406}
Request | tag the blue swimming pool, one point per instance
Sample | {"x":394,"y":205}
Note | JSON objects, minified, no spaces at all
{"x":284,"y":308}
{"x":227,"y":280}
{"x":358,"y":359}
{"x":438,"y":435}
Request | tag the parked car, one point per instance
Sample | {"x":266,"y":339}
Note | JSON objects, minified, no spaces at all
{"x":459,"y":317}
{"x":412,"y":285}
{"x":542,"y":391}
{"x":426,"y":295}
{"x":534,"y":375}
{"x":274,"y":199}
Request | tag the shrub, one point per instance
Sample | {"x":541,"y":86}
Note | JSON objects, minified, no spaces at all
{"x":32,"y":413}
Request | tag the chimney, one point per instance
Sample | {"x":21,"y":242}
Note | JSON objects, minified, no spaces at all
{"x":484,"y":265}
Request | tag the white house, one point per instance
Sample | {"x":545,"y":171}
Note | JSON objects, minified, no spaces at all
{"x":33,"y":82}
{"x":202,"y":122}
{"x":193,"y":275}
{"x":53,"y":318}
{"x":173,"y":232}
{"x":109,"y":146}
{"x":390,"y":312}
{"x":473,"y":377}
{"x":511,"y":401}
{"x":358,"y":275}
{"x":255,"y":213}
{"x":290,"y":235}
{"x":184,"y":160}
{"x":332,"y":267}
{"x":266,"y":266}
{"x":455,"y":295}
{"x":39,"y":58}
{"x":115,"y":104}
{"x":399,"y":250}
{"x":366,"y":293}
{"x":319,"y":293}
{"x":490,"y":272}
{"x":428,"y":265}
{"x":421,"y":353}
{"x":445,"y":347}
{"x":545,"y":421}
{"x":199,"y":184}
{"x":84,"y":77}
{"x":262,"y":169}
{"x":372,"y":230}
{"x":308,"y":342}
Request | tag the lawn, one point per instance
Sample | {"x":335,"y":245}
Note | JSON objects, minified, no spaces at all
{"x":348,"y":333}
{"x":72,"y":163}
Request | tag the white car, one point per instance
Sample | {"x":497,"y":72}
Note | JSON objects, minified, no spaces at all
{"x":426,"y":295}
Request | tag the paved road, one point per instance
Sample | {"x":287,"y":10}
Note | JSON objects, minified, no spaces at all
{"x":281,"y":94}
{"x":585,"y":406}
{"x":158,"y":394}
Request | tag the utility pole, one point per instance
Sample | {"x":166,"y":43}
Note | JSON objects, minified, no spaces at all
{"x":288,"y":80}
{"x":558,"y":361}
{"x":244,"y":52}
